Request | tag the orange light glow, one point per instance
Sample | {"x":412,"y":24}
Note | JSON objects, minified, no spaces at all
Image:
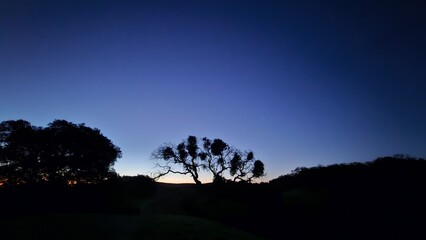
{"x":3,"y":181}
{"x":72,"y":182}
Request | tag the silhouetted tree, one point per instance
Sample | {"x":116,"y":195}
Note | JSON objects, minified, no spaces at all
{"x":62,"y":152}
{"x":244,"y":167}
{"x":20,"y":151}
{"x":214,"y":156}
{"x":185,"y":154}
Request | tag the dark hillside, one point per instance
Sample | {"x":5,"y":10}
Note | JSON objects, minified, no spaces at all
{"x":382,"y":199}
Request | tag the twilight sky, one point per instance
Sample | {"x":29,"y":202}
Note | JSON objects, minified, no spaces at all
{"x":300,"y":83}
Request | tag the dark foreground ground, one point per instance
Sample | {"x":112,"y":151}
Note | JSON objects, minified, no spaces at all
{"x":336,"y":202}
{"x":211,"y":212}
{"x":161,"y":216}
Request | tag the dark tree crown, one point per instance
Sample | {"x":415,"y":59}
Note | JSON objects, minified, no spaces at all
{"x":61,"y":152}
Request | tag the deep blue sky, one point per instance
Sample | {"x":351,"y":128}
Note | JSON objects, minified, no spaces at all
{"x":301,"y":83}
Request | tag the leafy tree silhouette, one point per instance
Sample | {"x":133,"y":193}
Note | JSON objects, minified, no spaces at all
{"x":63,"y":152}
{"x":19,"y":153}
{"x":184,"y":154}
{"x":246,"y":168}
{"x":214,"y":156}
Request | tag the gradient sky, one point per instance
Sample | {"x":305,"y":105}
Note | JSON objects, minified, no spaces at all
{"x":300,"y":83}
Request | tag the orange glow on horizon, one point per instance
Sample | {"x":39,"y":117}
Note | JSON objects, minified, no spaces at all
{"x":176,"y":178}
{"x":204,"y":178}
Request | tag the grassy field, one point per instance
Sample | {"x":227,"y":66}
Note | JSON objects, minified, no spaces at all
{"x":160,"y":217}
{"x":98,"y":226}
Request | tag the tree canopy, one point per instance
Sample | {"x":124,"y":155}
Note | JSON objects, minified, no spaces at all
{"x":185,"y":154}
{"x":215,"y":156}
{"x":62,"y":152}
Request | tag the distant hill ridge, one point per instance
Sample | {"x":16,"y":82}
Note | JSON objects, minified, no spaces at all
{"x":398,"y":169}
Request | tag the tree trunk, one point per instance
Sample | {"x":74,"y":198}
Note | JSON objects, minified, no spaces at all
{"x":198,"y":182}
{"x":194,"y":175}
